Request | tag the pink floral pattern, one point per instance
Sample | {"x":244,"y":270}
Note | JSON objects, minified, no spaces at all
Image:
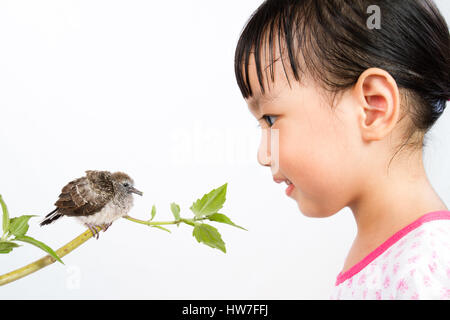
{"x":413,"y":264}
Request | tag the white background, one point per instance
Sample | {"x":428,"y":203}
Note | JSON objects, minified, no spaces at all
{"x":148,"y":87}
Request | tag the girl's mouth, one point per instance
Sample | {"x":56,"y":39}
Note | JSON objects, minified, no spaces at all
{"x":290,"y":185}
{"x":290,"y":188}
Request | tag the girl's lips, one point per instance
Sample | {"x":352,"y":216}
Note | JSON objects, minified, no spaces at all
{"x":289,"y":189}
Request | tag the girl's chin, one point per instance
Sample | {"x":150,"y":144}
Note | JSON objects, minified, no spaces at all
{"x":312,"y":210}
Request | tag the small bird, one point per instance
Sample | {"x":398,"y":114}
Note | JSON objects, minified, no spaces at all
{"x":96,"y":199}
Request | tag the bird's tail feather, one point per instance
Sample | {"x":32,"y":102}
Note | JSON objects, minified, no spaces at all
{"x":52,"y":216}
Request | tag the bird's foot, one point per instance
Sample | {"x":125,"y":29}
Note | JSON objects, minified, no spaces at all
{"x":93,"y":229}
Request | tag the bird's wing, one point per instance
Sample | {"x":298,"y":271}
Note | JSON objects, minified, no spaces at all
{"x":80,"y":198}
{"x":100,"y":181}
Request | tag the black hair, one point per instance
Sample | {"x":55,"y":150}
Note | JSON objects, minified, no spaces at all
{"x":330,"y":40}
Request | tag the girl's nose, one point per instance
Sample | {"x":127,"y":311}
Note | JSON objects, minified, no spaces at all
{"x":264,"y":154}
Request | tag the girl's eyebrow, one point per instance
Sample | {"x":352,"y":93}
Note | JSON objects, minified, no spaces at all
{"x":257,"y":100}
{"x":253,"y":102}
{"x":254,"y":107}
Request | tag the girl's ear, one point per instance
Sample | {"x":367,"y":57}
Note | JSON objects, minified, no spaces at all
{"x":378,"y":100}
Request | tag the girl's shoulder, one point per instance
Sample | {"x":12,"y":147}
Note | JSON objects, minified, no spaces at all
{"x":413,"y":263}
{"x":427,"y":239}
{"x":421,"y":263}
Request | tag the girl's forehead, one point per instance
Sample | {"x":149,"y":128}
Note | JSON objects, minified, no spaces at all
{"x":274,"y":77}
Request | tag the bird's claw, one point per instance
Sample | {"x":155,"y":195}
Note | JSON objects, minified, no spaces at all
{"x":95,"y":231}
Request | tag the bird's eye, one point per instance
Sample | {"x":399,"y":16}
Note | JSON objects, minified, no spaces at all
{"x":126,"y":184}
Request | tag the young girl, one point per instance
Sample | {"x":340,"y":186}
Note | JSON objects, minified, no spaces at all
{"x":346,"y":91}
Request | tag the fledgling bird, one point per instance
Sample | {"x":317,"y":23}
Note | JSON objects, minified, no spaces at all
{"x":96,"y":199}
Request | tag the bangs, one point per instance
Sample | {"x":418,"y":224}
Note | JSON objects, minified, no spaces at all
{"x":323,"y":39}
{"x":275,"y":32}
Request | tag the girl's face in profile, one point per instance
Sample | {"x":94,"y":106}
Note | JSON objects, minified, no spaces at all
{"x":313,"y":146}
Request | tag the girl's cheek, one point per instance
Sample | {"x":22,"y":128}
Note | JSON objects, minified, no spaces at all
{"x":303,"y":160}
{"x":322,"y":172}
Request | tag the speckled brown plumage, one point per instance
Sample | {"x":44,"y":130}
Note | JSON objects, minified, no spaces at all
{"x":97,"y":199}
{"x":87,"y":195}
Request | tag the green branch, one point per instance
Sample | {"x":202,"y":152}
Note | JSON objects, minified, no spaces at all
{"x":47,"y":260}
{"x":206,"y":208}
{"x":162,"y":223}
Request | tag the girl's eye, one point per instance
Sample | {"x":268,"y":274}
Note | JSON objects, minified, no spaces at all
{"x":270,"y":119}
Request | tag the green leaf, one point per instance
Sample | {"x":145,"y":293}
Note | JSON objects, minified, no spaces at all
{"x":219,"y":217}
{"x":175,"y":210}
{"x":7,"y":246}
{"x":40,"y":245}
{"x":153,"y":212}
{"x":210,"y":203}
{"x":5,"y":215}
{"x":209,"y":235}
{"x":162,"y":228}
{"x":19,"y":226}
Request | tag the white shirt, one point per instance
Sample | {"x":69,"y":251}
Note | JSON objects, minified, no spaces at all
{"x":412,"y":264}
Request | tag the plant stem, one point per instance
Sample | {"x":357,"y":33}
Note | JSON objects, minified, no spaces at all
{"x":158,"y":223}
{"x":75,"y":243}
{"x":151,"y":223}
{"x":47,"y":260}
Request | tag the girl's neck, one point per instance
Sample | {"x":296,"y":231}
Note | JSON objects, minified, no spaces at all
{"x":387,"y":204}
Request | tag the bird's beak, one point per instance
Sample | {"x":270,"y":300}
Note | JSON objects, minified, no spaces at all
{"x":134,"y":190}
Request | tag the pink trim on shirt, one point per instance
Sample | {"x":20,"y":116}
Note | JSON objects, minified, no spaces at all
{"x":435,"y":215}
